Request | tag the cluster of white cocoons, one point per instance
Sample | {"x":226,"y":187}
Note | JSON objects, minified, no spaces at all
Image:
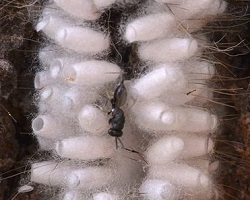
{"x":164,"y":104}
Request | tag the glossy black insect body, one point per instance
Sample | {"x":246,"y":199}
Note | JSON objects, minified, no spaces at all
{"x":120,"y":96}
{"x":117,"y":123}
{"x":118,"y":118}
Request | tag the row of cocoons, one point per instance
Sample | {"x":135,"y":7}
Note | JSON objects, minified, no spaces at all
{"x":161,"y":112}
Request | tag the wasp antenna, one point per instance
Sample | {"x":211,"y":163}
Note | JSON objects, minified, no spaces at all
{"x":119,"y":140}
{"x":138,"y":153}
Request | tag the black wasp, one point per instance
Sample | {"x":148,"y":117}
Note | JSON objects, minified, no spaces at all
{"x":118,"y":118}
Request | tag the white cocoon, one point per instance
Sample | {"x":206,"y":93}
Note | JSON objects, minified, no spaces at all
{"x":160,"y":80}
{"x":177,"y":147}
{"x":188,"y":9}
{"x":46,"y":55}
{"x":46,"y":93}
{"x":182,"y":175}
{"x":150,"y":27}
{"x":102,"y":4}
{"x":25,"y":189}
{"x":71,"y":99}
{"x":63,"y":100}
{"x":165,"y":150}
{"x":76,"y":97}
{"x":158,"y":189}
{"x":82,"y":40}
{"x":214,"y":166}
{"x":180,"y":98}
{"x":90,"y":178}
{"x":159,"y":117}
{"x":93,"y":120}
{"x":86,"y":148}
{"x":72,"y":195}
{"x":168,"y":50}
{"x":168,"y":1}
{"x":197,"y":92}
{"x":104,"y":196}
{"x":48,"y":127}
{"x":86,"y":73}
{"x":49,"y":173}
{"x":216,"y":7}
{"x":45,"y":143}
{"x":83,"y":9}
{"x":42,"y":79}
{"x":196,"y":145}
{"x":50,"y":94}
{"x":201,"y":70}
{"x":50,"y":25}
